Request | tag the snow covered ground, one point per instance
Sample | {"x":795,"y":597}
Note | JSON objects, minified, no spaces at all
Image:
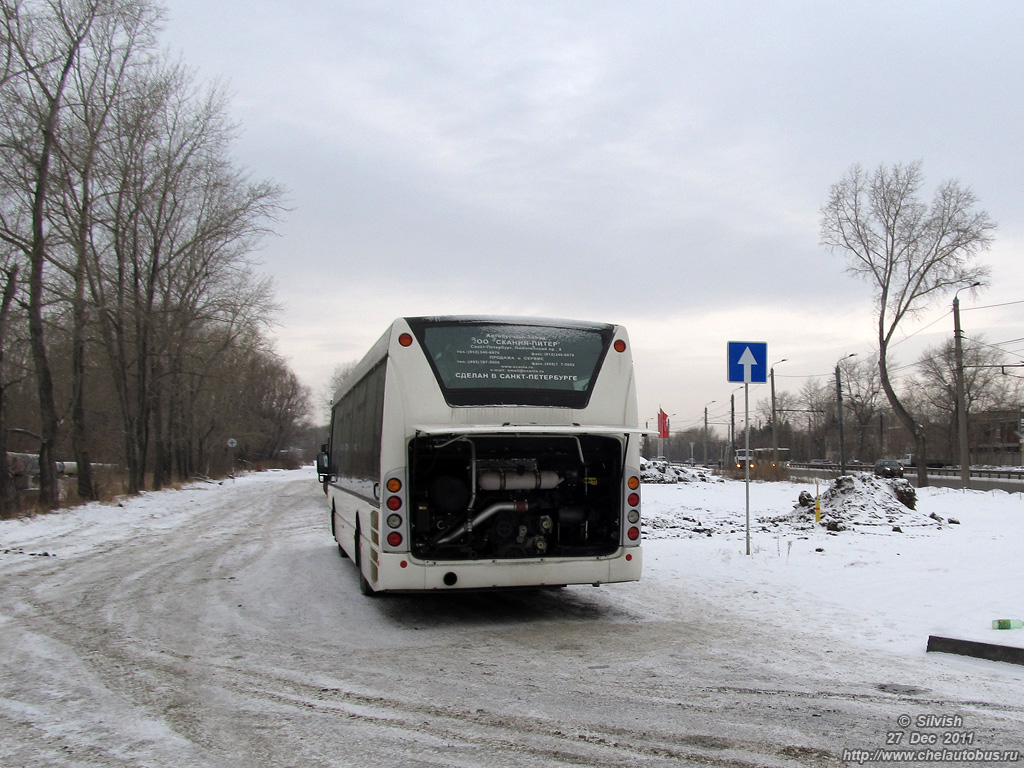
{"x":217,"y":626}
{"x":951,"y":568}
{"x":949,"y":576}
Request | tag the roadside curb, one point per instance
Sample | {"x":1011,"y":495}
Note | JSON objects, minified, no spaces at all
{"x":989,"y":651}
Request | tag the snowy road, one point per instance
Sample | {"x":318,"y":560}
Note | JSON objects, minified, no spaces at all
{"x":220,"y":627}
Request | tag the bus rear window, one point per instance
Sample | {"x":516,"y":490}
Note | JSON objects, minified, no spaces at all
{"x":506,"y":364}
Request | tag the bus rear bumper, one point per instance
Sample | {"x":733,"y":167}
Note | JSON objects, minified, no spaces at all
{"x":397,"y":572}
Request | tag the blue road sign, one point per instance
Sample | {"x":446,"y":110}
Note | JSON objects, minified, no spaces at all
{"x":748,"y":362}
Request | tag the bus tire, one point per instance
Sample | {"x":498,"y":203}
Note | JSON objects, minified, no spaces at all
{"x":364,"y":586}
{"x":334,"y":533}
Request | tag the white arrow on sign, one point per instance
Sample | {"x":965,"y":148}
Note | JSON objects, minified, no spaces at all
{"x":747,"y":361}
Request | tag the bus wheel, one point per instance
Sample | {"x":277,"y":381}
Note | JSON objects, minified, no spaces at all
{"x":334,"y":533}
{"x":364,"y":585}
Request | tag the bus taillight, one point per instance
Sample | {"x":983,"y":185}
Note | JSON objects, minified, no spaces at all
{"x":620,"y":345}
{"x":633,"y":503}
{"x":394,"y":503}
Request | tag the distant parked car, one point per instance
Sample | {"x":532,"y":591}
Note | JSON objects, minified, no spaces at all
{"x":888,"y":468}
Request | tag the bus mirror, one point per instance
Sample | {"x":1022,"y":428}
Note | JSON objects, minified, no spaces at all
{"x":323,"y":465}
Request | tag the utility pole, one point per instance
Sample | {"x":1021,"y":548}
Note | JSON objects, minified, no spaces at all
{"x":775,"y":428}
{"x":839,"y":404}
{"x":706,"y":433}
{"x":961,"y":394}
{"x":732,"y":428}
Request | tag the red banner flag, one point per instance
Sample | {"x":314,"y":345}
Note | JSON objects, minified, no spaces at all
{"x":662,"y":423}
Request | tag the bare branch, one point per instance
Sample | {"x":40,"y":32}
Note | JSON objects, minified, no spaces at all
{"x":911,"y":252}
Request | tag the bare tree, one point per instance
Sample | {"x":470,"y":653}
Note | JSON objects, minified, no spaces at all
{"x":216,"y":309}
{"x":986,"y":388}
{"x":44,"y":42}
{"x":10,"y":286}
{"x":99,"y":80}
{"x":338,"y":375}
{"x":280,"y":406}
{"x":55,"y":52}
{"x":180,"y":223}
{"x":126,"y":231}
{"x":862,"y":397}
{"x":817,"y":400}
{"x":911,"y":253}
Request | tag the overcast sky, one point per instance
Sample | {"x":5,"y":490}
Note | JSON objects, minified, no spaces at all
{"x":655,"y":164}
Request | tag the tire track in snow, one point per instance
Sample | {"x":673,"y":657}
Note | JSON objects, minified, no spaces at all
{"x":238,"y":636}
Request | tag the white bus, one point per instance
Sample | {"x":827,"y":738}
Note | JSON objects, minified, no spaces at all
{"x":484,"y":453}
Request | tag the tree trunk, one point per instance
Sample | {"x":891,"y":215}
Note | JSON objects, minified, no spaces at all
{"x":161,"y":456}
{"x":921,"y":460}
{"x":48,"y":496}
{"x":7,"y":494}
{"x":7,"y":499}
{"x":79,"y":432}
{"x":908,"y":421}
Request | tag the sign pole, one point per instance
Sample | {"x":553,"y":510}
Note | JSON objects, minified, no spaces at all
{"x":748,"y":364}
{"x":746,"y":425}
{"x":232,"y":444}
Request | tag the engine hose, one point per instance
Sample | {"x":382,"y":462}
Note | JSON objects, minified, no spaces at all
{"x":483,"y":515}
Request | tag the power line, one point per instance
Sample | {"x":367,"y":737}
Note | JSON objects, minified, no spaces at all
{"x":949,"y":312}
{"x":995,"y":346}
{"x":991,"y":306}
{"x":920,"y":330}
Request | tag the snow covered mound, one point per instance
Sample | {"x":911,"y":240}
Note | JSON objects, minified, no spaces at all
{"x":660,"y":471}
{"x":861,"y":502}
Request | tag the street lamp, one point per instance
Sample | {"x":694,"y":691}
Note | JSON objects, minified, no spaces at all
{"x":839,"y":403}
{"x":961,"y":392}
{"x":775,"y":429}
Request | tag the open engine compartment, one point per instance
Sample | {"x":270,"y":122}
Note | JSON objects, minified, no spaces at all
{"x":514,"y":496}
